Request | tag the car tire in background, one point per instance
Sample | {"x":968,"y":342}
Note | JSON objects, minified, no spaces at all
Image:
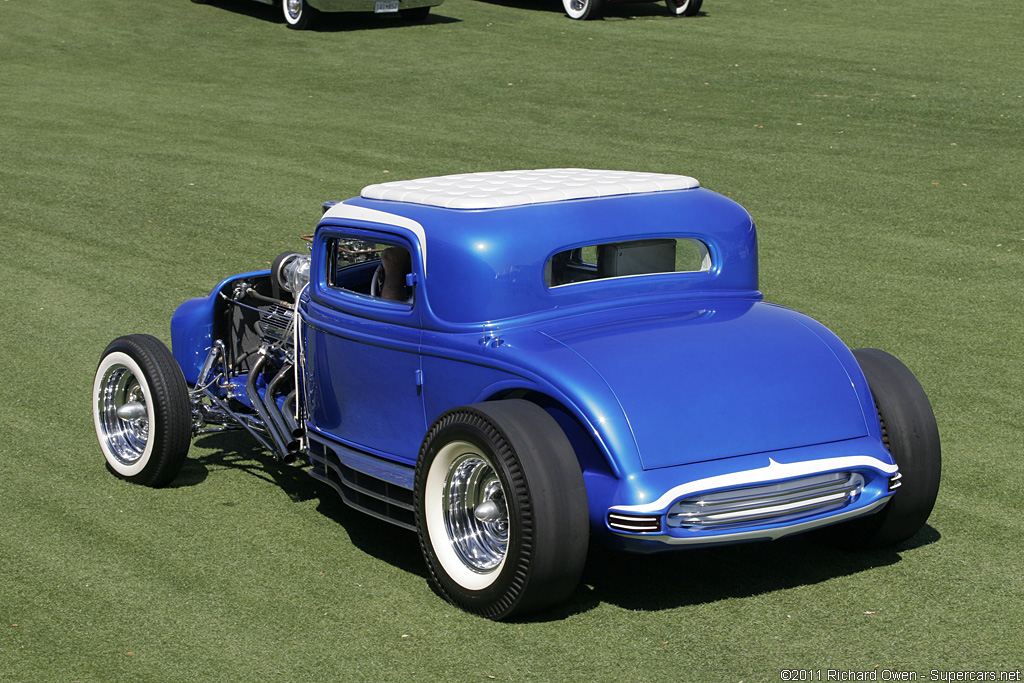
{"x":583,"y":9}
{"x":298,"y":14}
{"x":911,"y":434}
{"x":501,"y":509}
{"x":683,"y":8}
{"x":141,"y":410}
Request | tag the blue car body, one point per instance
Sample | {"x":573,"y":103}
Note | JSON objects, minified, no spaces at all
{"x":698,"y":412}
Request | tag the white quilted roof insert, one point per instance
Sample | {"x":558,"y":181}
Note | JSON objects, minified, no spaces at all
{"x":497,"y":189}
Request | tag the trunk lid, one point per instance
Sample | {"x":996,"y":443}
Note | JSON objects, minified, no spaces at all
{"x":719,"y":379}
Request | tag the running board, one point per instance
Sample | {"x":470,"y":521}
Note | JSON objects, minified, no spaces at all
{"x":378,"y":487}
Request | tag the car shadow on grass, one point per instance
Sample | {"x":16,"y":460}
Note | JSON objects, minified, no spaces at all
{"x":327,"y":22}
{"x":377,"y":538}
{"x":237,"y":450}
{"x":693,"y":577}
{"x":552,"y":6}
{"x":614,"y":11}
{"x":652,"y":583}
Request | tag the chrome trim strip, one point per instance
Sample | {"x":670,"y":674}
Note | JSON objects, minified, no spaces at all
{"x":763,"y":534}
{"x":713,"y":518}
{"x":726,"y":509}
{"x":756,"y":495}
{"x":620,"y":522}
{"x":762,"y":475}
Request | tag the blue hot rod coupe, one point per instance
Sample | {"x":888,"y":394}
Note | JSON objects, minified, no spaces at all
{"x":511,"y":364}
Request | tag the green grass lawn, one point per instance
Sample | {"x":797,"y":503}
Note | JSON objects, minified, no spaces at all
{"x":149,"y":148}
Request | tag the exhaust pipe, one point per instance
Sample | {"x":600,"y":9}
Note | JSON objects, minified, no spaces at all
{"x":263,"y":410}
{"x":291,"y":444}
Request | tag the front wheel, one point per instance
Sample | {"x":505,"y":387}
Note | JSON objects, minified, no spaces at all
{"x":298,"y":14}
{"x":683,"y":8}
{"x":583,"y":9}
{"x":501,"y":509}
{"x":141,"y":410}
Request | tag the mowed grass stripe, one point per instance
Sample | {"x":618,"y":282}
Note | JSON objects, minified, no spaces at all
{"x":148,"y":149}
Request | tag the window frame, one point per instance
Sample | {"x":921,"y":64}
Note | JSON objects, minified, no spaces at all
{"x":331,"y":297}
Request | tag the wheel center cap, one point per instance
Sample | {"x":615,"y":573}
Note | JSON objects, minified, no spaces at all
{"x":133,"y":410}
{"x":488,"y":511}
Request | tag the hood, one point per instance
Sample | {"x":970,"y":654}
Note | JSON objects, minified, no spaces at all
{"x":719,"y":379}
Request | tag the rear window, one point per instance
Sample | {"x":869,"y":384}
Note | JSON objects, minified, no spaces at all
{"x":627,"y":259}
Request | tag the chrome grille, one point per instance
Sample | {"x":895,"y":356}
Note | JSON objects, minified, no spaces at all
{"x":779,"y":502}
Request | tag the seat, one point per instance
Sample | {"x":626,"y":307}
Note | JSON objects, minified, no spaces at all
{"x":396,"y":264}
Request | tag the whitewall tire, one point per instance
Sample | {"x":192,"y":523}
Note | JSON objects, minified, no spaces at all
{"x":501,"y":509}
{"x":141,"y":410}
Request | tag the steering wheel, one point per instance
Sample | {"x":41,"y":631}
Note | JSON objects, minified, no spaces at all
{"x":377,"y":282}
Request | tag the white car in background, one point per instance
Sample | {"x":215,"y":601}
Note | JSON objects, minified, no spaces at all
{"x":593,"y":9}
{"x":303,"y":14}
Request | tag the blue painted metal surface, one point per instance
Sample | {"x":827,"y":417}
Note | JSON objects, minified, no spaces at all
{"x":661,"y":382}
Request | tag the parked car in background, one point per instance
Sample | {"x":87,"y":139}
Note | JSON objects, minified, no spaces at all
{"x":303,"y":14}
{"x":514,"y":364}
{"x":593,"y":9}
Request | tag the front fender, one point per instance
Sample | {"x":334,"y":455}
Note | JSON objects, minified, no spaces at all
{"x":192,"y":327}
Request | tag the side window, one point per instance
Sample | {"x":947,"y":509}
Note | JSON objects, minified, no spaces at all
{"x":371,"y":269}
{"x":625,"y":259}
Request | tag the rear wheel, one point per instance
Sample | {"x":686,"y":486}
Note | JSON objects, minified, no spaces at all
{"x":911,"y":434}
{"x":501,"y":509}
{"x":298,"y":14}
{"x":683,"y":8}
{"x":141,"y":410}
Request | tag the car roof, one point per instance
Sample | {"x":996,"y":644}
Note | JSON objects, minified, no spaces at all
{"x":490,"y":235}
{"x":499,"y":189}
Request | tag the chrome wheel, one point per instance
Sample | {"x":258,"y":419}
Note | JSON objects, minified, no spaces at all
{"x":141,"y":410}
{"x":123,"y":415}
{"x":467,"y":515}
{"x":298,"y":14}
{"x":501,"y":508}
{"x":475,"y":513}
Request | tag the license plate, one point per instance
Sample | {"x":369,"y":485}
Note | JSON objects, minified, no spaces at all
{"x":382,"y":6}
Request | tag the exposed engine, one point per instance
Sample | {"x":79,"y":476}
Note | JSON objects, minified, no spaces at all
{"x":249,"y":378}
{"x":275,"y":325}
